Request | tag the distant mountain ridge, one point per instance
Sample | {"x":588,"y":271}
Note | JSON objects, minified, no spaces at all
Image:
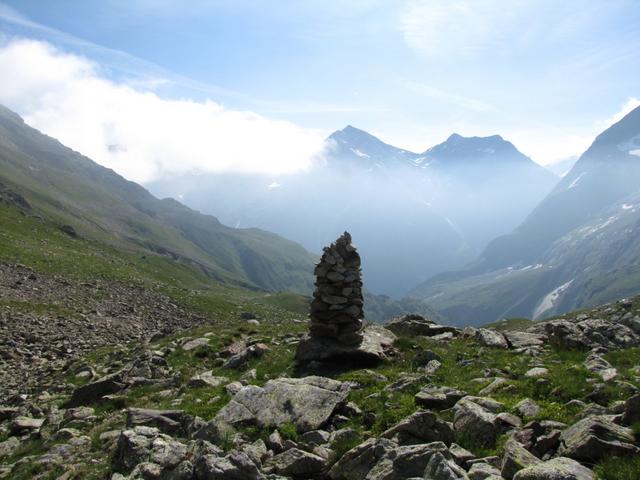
{"x":411,"y":214}
{"x":579,"y":247}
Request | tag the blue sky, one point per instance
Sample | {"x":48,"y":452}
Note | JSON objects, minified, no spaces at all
{"x":546,"y":75}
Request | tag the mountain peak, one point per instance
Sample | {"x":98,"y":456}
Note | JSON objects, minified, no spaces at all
{"x":459,"y":149}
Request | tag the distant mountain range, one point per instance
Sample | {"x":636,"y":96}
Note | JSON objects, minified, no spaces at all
{"x":579,"y":247}
{"x":412,"y":215}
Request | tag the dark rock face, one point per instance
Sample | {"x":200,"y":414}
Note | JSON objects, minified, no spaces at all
{"x":336,"y":331}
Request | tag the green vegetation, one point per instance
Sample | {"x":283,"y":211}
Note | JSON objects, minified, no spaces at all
{"x":617,"y":468}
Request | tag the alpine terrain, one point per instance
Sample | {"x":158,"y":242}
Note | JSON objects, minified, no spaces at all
{"x":438,"y":208}
{"x":580,"y":247}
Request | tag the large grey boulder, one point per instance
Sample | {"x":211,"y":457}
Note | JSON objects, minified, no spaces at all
{"x":146,"y":444}
{"x":383,"y":459}
{"x":307,"y":402}
{"x":439,"y":397}
{"x":376,"y":345}
{"x":475,"y":423}
{"x":296,"y":463}
{"x":171,"y":422}
{"x":483,"y":471}
{"x":234,"y":466}
{"x":590,"y":333}
{"x":21,"y":425}
{"x":525,"y":341}
{"x":406,"y":461}
{"x":357,"y":462}
{"x":515,"y":458}
{"x":93,"y":392}
{"x":491,"y":338}
{"x":440,"y":467}
{"x":559,"y":468}
{"x":413,"y":324}
{"x":420,"y":427}
{"x":594,"y":438}
{"x":631,"y":413}
{"x":206,"y":379}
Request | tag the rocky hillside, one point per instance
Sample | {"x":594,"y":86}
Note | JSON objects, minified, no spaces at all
{"x":46,"y":179}
{"x":577,"y":249}
{"x":226,"y":400}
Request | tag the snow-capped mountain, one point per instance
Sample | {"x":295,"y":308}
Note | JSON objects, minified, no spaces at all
{"x":579,"y":247}
{"x":412,"y":215}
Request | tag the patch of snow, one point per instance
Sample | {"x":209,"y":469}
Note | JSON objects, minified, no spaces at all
{"x":359,"y":153}
{"x":591,"y":230}
{"x":532,"y":267}
{"x":237,"y":224}
{"x":551,"y":299}
{"x":626,"y":206}
{"x":576,"y":181}
{"x":274,"y":185}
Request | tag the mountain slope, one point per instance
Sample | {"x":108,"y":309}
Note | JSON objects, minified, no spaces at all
{"x":578,"y":248}
{"x":412,"y":215}
{"x":69,"y":189}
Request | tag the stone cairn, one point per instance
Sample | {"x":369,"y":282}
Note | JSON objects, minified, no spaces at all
{"x":336,"y":309}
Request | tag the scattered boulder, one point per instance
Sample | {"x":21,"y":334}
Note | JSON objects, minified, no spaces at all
{"x":93,"y":392}
{"x":442,"y":468}
{"x":296,"y":463}
{"x":420,"y":427}
{"x":475,"y":423}
{"x":234,"y":466}
{"x":515,"y":458}
{"x":527,"y":408}
{"x":146,"y":444}
{"x":589,"y":333}
{"x":171,"y":422}
{"x":21,"y":425}
{"x":597,"y":364}
{"x":239,"y":360}
{"x":378,"y":459}
{"x":559,"y":468}
{"x":307,"y":402}
{"x":439,"y":398}
{"x":413,"y":324}
{"x":483,"y":471}
{"x":593,"y":438}
{"x":537,"y":372}
{"x":491,"y":338}
{"x":631,"y":412}
{"x":195,"y":343}
{"x":206,"y":379}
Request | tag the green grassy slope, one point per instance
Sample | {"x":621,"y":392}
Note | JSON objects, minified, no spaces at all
{"x":69,"y":189}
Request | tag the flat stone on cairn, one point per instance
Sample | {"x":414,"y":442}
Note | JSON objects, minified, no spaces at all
{"x":336,"y":319}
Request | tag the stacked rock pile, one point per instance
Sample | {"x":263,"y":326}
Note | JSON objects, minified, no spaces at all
{"x":336,"y":310}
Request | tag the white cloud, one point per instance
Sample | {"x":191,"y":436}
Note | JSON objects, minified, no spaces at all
{"x":134,"y":131}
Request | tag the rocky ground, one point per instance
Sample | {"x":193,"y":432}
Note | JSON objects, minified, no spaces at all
{"x":49,"y":321}
{"x":557,"y":400}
